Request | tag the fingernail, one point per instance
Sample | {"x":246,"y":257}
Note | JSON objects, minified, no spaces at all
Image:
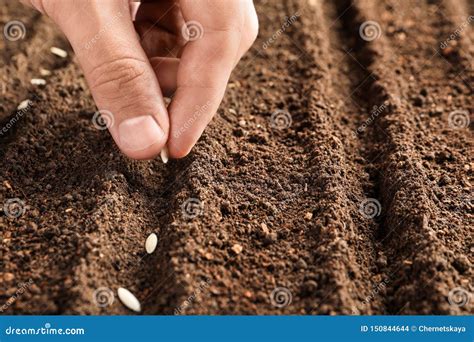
{"x":139,"y":133}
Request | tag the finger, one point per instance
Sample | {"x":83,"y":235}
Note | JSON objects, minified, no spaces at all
{"x":250,"y":31}
{"x":121,"y":78}
{"x":166,"y":70}
{"x":204,"y":70}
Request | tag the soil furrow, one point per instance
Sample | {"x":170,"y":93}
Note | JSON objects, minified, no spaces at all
{"x":425,"y":241}
{"x":346,"y":180}
{"x":263,"y":215}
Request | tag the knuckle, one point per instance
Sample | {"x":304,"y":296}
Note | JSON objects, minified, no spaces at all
{"x":54,"y":9}
{"x":251,"y":31}
{"x":118,"y":75}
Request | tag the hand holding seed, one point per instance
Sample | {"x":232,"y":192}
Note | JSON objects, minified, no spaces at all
{"x":184,"y":48}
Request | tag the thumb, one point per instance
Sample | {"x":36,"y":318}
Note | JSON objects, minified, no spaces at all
{"x":122,"y":81}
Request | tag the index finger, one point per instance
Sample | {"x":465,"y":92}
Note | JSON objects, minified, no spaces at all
{"x":214,"y":30}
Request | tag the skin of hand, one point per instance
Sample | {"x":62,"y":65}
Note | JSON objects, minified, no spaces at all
{"x":133,"y":54}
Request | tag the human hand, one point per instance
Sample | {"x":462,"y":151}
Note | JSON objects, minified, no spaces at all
{"x":129,"y":73}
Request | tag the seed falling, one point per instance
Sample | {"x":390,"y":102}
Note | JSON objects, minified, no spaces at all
{"x":151,"y":242}
{"x":38,"y":81}
{"x":164,"y":155}
{"x":58,"y":52}
{"x":23,"y":104}
{"x":128,"y":299}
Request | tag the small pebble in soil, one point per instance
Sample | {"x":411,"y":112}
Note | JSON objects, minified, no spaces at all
{"x":301,"y":264}
{"x":418,"y":101}
{"x":309,"y":287}
{"x":164,"y":155}
{"x":151,"y":242}
{"x":38,"y":81}
{"x":270,"y":238}
{"x":58,"y":52}
{"x":7,"y":185}
{"x":45,"y":72}
{"x":308,"y":216}
{"x":128,"y":299}
{"x":237,"y":248}
{"x":8,"y":276}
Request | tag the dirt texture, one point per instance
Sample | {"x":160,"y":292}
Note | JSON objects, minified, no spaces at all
{"x":336,"y":177}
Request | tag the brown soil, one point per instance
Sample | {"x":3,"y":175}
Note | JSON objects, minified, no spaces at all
{"x":289,"y":197}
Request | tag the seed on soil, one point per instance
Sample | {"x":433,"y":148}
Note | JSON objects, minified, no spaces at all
{"x":237,"y":248}
{"x":308,"y":216}
{"x":151,"y":242}
{"x":23,"y":105}
{"x":164,"y":155}
{"x":38,"y":81}
{"x":58,"y":52}
{"x":45,"y":72}
{"x":128,"y":299}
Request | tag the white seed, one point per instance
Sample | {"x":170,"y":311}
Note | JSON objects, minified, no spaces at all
{"x":23,"y":104}
{"x":151,"y":242}
{"x":128,"y":299}
{"x":164,"y":155}
{"x":38,"y":81}
{"x":58,"y":52}
{"x":45,"y":72}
